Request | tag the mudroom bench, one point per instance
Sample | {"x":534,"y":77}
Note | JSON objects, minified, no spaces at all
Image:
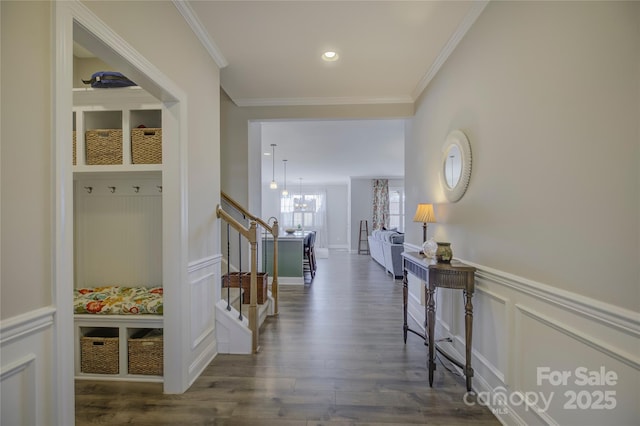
{"x":118,"y":333}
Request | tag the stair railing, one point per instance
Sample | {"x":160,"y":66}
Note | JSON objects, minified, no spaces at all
{"x":271,"y":229}
{"x":251,"y":235}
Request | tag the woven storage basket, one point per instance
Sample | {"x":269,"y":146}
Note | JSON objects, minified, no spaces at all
{"x":233,"y":280}
{"x":99,"y":352}
{"x":146,"y":353}
{"x":146,"y":146}
{"x":103,"y":146}
{"x":74,"y":147}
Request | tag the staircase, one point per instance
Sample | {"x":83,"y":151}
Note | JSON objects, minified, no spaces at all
{"x":238,"y":326}
{"x":233,"y":333}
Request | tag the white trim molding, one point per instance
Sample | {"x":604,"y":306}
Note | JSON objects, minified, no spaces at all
{"x":204,"y":263}
{"x":21,"y":326}
{"x":25,"y":364}
{"x":24,"y":384}
{"x":521,"y":325}
{"x":613,"y":316}
{"x":620,"y":355}
{"x":201,"y":33}
{"x":251,"y":102}
{"x":446,"y":51}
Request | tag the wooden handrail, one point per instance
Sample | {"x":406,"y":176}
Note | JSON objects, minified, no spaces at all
{"x":273,"y":229}
{"x":246,"y":232}
{"x":251,"y":235}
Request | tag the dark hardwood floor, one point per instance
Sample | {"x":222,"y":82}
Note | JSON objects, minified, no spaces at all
{"x":334,"y":356}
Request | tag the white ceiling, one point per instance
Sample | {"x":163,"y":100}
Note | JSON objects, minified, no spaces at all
{"x":330,"y":152}
{"x":272,"y":49}
{"x":269,"y":53}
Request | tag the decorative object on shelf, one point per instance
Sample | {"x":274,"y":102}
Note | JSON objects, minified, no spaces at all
{"x":290,"y":230}
{"x":429,"y":248}
{"x":108,"y":79}
{"x":273,"y":184}
{"x":455,"y":172}
{"x":285,"y":193}
{"x":424,"y":214}
{"x":444,"y":254}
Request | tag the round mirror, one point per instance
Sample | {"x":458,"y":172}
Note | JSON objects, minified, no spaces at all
{"x":453,"y":166}
{"x":456,"y":165}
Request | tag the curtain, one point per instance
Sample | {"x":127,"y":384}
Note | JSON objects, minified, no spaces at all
{"x":380,"y":203}
{"x":306,"y":209}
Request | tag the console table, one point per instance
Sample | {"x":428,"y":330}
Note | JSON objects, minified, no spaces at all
{"x":455,"y":275}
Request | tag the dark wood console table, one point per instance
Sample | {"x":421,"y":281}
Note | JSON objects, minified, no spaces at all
{"x":455,"y":275}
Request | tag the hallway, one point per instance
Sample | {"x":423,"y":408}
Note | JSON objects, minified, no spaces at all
{"x":334,"y":356}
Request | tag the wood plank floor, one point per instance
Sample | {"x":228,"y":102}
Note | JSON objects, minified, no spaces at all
{"x":334,"y":356}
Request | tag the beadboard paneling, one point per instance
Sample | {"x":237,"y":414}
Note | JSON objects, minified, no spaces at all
{"x":118,"y":232}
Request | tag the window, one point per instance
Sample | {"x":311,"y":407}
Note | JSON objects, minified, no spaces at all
{"x":396,"y":208}
{"x":307,"y":210}
{"x":301,"y":209}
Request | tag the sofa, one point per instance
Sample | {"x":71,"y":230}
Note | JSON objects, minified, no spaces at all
{"x":386,"y":247}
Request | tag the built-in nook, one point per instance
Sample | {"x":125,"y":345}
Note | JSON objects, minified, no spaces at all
{"x":117,"y":229}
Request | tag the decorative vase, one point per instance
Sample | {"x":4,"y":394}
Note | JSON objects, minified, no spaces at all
{"x":429,"y":248}
{"x":444,"y":254}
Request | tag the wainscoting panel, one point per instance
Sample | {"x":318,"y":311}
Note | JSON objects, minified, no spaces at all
{"x":542,"y":355}
{"x":26,"y":368}
{"x":18,"y":390}
{"x":491,"y":319}
{"x":204,"y":278}
{"x":585,"y":382}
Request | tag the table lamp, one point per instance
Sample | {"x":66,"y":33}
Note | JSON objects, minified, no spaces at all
{"x":424,"y":214}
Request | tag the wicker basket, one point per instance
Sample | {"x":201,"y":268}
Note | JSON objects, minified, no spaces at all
{"x":103,"y":146}
{"x":233,"y":280}
{"x":146,"y":352}
{"x":146,"y":146}
{"x":99,"y":352}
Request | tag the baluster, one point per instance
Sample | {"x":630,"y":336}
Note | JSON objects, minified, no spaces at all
{"x":240,"y":272}
{"x":228,"y":269}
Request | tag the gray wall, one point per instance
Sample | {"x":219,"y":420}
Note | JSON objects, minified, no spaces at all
{"x":361,"y":198}
{"x":27,"y":172}
{"x":553,"y":122}
{"x":548,"y":94}
{"x":337,"y":212}
{"x":338,"y":216}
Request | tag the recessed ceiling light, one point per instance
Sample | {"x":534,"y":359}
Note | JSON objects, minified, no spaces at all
{"x":330,"y":56}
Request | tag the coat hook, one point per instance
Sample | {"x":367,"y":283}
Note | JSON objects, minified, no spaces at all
{"x":89,"y":189}
{"x":136,"y":189}
{"x":159,"y":187}
{"x":112,"y":189}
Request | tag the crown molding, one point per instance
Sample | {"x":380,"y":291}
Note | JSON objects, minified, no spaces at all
{"x":201,"y":33}
{"x":446,"y":51}
{"x":258,"y":102}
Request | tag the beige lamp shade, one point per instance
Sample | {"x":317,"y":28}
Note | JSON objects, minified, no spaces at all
{"x":424,"y":214}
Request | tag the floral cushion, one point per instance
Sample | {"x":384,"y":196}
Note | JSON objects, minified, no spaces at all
{"x":117,"y":300}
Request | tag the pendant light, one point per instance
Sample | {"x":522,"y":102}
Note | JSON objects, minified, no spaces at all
{"x":285,"y":193}
{"x":273,"y":184}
